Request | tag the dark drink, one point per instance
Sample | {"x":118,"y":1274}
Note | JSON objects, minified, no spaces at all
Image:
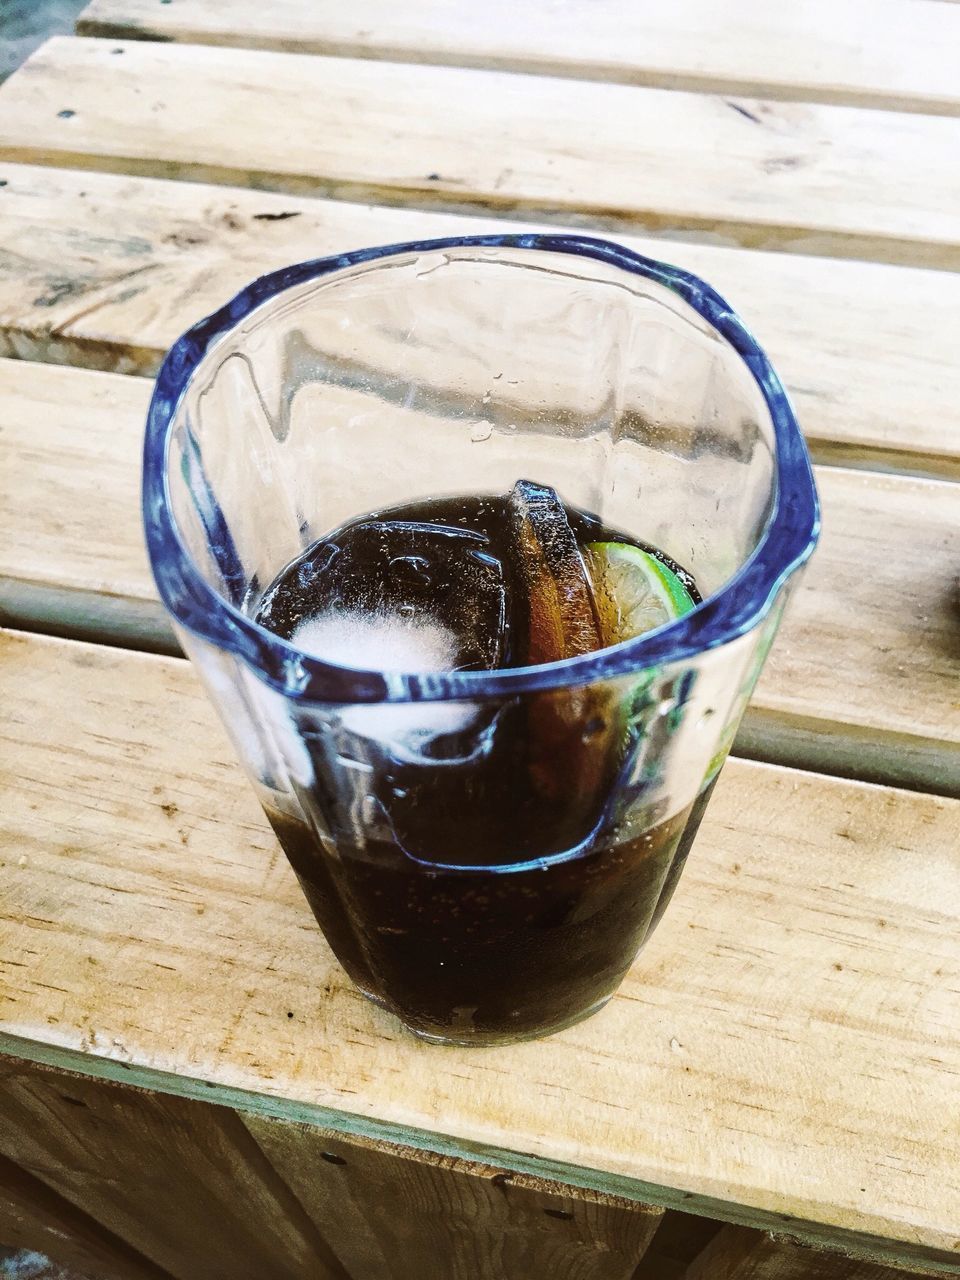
{"x":483,"y":870}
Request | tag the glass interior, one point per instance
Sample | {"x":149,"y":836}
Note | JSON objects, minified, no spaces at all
{"x":487,"y":852}
{"x":458,"y":370}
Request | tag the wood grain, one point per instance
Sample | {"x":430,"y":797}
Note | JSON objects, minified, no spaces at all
{"x":72,"y":557}
{"x":391,"y":1213}
{"x":894,"y":53}
{"x":107,"y":271}
{"x":878,"y":603}
{"x":35,"y":1218}
{"x":874,"y":623}
{"x":803,"y":987}
{"x":371,"y":1211}
{"x":182,"y":1182}
{"x":738,"y":1253}
{"x":807,"y":178}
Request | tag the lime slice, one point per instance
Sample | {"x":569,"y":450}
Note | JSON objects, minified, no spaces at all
{"x":634,"y":591}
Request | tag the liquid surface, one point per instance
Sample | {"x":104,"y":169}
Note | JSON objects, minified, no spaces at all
{"x":477,"y":868}
{"x":450,"y":565}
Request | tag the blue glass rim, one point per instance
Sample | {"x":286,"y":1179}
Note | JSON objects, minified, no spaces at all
{"x":738,"y":607}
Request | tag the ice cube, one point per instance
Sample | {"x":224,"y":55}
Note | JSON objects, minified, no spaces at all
{"x":377,"y":641}
{"x":387,"y":641}
{"x":438,"y":588}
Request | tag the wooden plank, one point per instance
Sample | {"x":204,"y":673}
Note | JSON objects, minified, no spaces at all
{"x":393,"y":1213}
{"x":877,"y":603}
{"x":738,"y":1253}
{"x":150,"y":929}
{"x":872,"y":624}
{"x":107,"y":271}
{"x":35,"y":1218}
{"x":896,"y":54}
{"x":376,"y":1212}
{"x":180,"y":1181}
{"x":72,"y":557}
{"x":808,"y":178}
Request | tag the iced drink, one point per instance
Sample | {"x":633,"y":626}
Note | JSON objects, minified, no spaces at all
{"x":489,"y":891}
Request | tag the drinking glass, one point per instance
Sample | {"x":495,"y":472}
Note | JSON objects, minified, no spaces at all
{"x":485,"y":851}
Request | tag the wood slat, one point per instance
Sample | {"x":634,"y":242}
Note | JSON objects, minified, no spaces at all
{"x":738,"y":1253}
{"x":150,"y":925}
{"x":107,"y":271}
{"x":892,"y":53}
{"x":834,"y":180}
{"x":182,"y":1182}
{"x":878,"y":603}
{"x":392,"y":1213}
{"x":72,"y":556}
{"x":371,"y":1211}
{"x":863,"y":680}
{"x":35,"y":1218}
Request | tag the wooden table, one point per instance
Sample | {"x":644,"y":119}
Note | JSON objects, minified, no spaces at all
{"x":190,"y":1087}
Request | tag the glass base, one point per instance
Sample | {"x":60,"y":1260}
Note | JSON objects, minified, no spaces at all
{"x":488,"y":1039}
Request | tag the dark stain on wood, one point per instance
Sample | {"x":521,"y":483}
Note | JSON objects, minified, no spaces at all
{"x":186,"y":239}
{"x":742,"y":111}
{"x":58,"y":290}
{"x":129,"y":30}
{"x":778,"y":164}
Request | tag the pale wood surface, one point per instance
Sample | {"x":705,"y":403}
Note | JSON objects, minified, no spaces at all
{"x":877,"y":604}
{"x":785,"y":1053}
{"x":788,"y":1043}
{"x":885,"y":53}
{"x":873,"y":624}
{"x":798,"y":176}
{"x":739,"y":1253}
{"x":182,"y":1183}
{"x":107,"y":271}
{"x":72,"y":552}
{"x":34,"y":1217}
{"x":391,"y":1213}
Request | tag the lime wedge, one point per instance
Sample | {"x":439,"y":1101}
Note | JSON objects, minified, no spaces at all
{"x":633,"y":590}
